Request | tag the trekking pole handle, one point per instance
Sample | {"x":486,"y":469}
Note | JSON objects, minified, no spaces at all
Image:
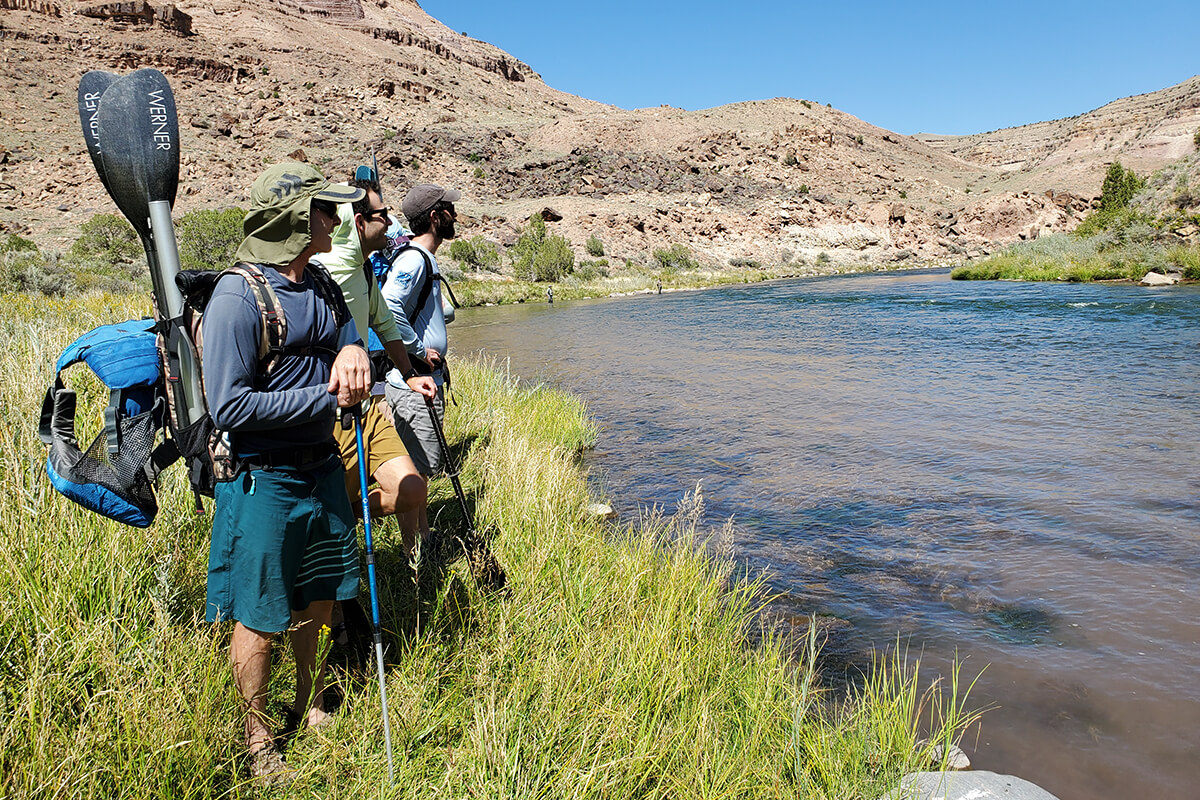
{"x":348,"y":415}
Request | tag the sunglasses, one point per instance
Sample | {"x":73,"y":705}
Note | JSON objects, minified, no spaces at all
{"x":376,"y":212}
{"x":326,"y":207}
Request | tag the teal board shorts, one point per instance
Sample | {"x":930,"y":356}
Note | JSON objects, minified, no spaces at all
{"x":282,"y":538}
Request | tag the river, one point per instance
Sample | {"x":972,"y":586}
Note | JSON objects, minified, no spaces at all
{"x":1006,"y":471}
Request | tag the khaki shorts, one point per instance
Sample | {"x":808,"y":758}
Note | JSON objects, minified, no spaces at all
{"x":380,"y":441}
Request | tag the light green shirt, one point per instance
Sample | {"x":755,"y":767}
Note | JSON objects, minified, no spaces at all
{"x":345,"y":264}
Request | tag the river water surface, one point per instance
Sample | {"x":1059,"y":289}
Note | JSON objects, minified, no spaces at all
{"x":1003,"y":470}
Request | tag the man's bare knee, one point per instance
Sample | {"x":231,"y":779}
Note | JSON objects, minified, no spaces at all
{"x":400,"y":487}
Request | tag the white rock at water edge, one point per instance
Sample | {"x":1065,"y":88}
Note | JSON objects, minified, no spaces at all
{"x":1155,"y":279}
{"x":980,"y":785}
{"x":601,"y":510}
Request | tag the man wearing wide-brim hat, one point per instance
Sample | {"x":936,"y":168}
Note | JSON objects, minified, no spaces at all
{"x":284,"y":547}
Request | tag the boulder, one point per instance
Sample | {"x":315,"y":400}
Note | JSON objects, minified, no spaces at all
{"x":956,"y":759}
{"x":1155,"y":279}
{"x":550,"y":215}
{"x":601,"y":510}
{"x":980,"y":785}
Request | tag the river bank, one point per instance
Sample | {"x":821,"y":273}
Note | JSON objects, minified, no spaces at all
{"x":619,"y":665}
{"x":1064,"y":257}
{"x":471,"y":292}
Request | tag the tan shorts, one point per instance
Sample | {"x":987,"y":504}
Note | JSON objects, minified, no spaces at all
{"x":380,"y":441}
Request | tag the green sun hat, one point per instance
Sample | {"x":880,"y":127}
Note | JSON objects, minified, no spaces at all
{"x":277,"y":224}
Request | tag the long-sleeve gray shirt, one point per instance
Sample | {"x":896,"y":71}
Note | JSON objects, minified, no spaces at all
{"x":401,"y":291}
{"x":292,"y":406}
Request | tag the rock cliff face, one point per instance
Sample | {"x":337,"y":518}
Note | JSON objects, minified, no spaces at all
{"x":331,"y":80}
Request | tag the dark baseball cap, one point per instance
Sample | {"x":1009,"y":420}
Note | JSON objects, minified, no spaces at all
{"x":421,"y":199}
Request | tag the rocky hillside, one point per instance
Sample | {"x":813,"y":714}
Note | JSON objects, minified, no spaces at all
{"x":328,"y":80}
{"x":1144,"y":133}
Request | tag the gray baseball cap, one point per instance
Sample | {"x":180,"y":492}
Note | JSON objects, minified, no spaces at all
{"x":421,"y":199}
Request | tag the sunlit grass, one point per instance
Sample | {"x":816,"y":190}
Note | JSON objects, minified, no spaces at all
{"x":619,"y":666}
{"x":1062,"y":257}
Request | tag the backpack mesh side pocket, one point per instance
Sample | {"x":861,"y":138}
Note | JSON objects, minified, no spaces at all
{"x":116,"y":484}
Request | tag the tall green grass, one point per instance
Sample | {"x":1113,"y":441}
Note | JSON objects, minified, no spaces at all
{"x":619,"y":666}
{"x":1067,"y":257}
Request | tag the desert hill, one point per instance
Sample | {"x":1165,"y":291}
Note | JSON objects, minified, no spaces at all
{"x":328,"y":80}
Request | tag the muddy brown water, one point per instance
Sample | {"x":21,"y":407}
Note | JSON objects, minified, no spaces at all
{"x":1005,"y":471}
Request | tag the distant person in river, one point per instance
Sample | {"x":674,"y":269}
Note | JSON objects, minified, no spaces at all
{"x":284,"y":546}
{"x":413,"y":294}
{"x":361,"y":231}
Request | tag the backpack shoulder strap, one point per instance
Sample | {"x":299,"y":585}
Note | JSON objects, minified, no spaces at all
{"x":274,"y":322}
{"x":426,"y":281}
{"x":330,"y":292}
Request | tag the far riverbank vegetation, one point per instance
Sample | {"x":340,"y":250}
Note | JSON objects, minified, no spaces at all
{"x":630,"y":659}
{"x":107,"y":256}
{"x":1140,"y":226}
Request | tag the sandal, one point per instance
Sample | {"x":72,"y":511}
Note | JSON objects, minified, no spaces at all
{"x":267,"y":765}
{"x":293,"y":723}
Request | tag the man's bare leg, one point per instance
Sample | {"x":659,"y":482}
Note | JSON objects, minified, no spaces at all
{"x":405,"y":492}
{"x":250,"y":652}
{"x":310,"y":676}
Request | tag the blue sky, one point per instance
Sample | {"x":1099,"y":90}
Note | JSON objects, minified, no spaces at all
{"x":937,"y":67}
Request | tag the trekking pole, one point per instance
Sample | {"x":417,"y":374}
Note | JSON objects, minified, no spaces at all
{"x":371,"y":582}
{"x":485,"y":568}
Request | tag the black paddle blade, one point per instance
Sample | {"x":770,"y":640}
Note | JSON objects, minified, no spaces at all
{"x":139,"y":144}
{"x":91,"y":87}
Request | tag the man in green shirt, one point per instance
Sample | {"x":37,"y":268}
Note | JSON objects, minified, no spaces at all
{"x":362,"y":230}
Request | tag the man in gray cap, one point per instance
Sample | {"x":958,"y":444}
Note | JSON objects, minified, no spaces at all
{"x":413,"y":293}
{"x":284,"y":546}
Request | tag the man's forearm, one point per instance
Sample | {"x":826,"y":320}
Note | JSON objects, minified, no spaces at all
{"x":399,"y":356}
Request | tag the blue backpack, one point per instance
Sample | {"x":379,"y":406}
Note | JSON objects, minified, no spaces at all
{"x":115,"y":474}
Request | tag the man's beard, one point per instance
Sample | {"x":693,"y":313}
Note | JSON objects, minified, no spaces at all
{"x":444,"y":230}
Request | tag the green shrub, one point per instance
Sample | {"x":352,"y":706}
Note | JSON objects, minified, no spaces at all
{"x":594,"y":247}
{"x":15,"y":244}
{"x":24,"y":270}
{"x":475,"y":253}
{"x":858,"y":139}
{"x":789,"y":159}
{"x":209,"y":239}
{"x":1196,"y":139}
{"x":803,"y":189}
{"x":541,"y":256}
{"x":479,"y":174}
{"x":747,"y":263}
{"x":591,"y":270}
{"x":475,"y":158}
{"x":823,"y":258}
{"x":109,"y":239}
{"x":1119,"y":187}
{"x":675,"y":258}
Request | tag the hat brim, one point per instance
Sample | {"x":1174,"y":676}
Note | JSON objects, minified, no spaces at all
{"x":341,"y":193}
{"x":451,"y":196}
